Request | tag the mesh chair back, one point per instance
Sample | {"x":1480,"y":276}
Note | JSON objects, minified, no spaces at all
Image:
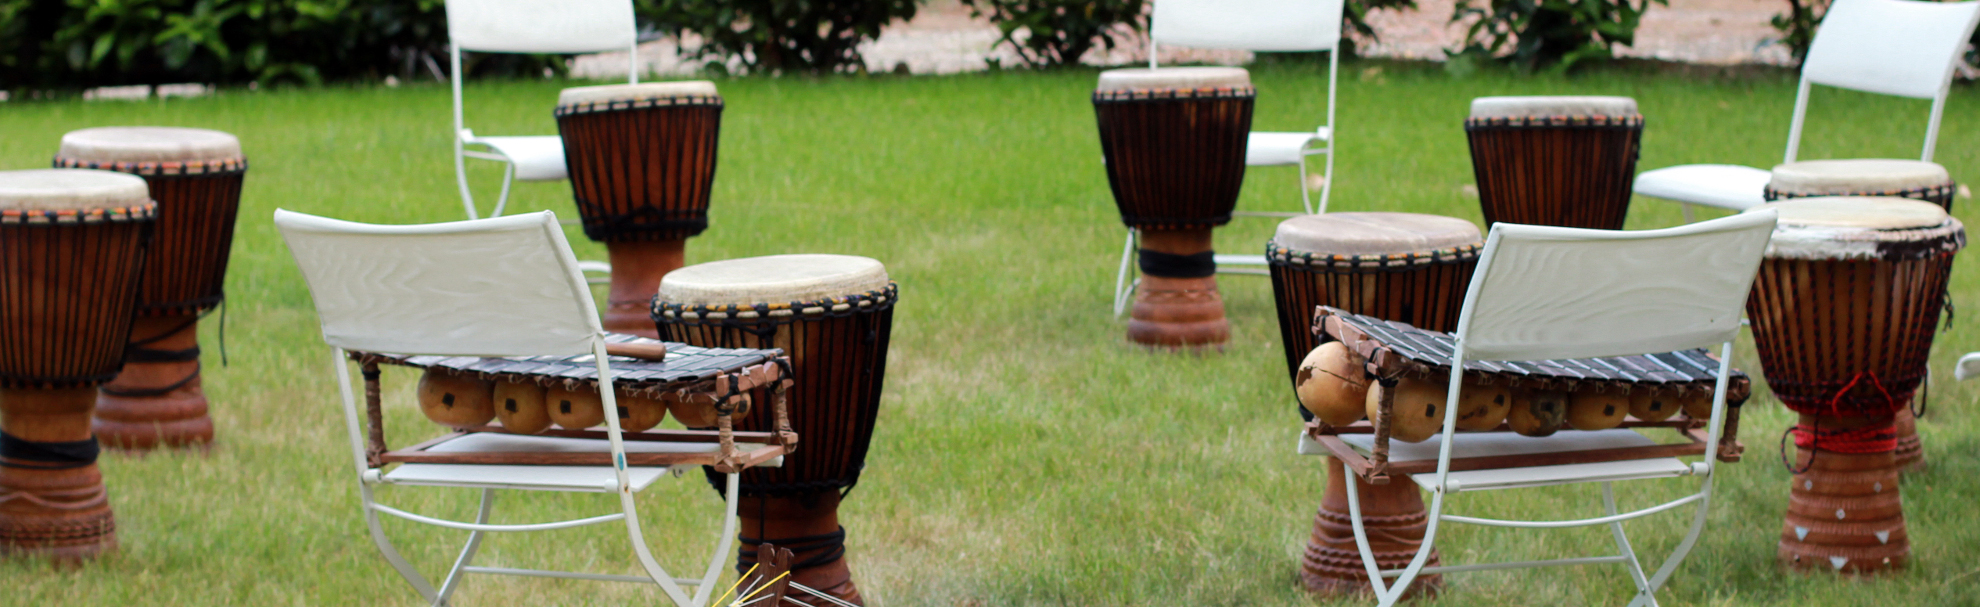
{"x":507,"y":286}
{"x":1545,"y":292}
{"x":1894,"y":47}
{"x":1252,"y":25}
{"x":541,"y":26}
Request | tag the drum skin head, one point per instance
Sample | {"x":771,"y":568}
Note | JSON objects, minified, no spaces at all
{"x":1858,"y":213}
{"x":1856,"y":176}
{"x":149,"y":144}
{"x":773,"y":279}
{"x":1548,"y":107}
{"x":636,"y":92}
{"x":70,"y":190}
{"x":1173,"y":78}
{"x":1859,"y":227}
{"x":1356,"y":234}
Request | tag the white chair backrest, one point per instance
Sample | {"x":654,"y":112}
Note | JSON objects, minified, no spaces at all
{"x":1894,"y":47}
{"x":1543,"y":292}
{"x":1252,"y":25}
{"x":507,"y":286}
{"x":541,"y":26}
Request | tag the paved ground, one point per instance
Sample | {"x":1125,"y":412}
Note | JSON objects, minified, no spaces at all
{"x":944,"y":39}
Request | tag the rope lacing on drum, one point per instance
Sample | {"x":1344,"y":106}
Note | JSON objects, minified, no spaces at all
{"x":1356,"y":264}
{"x":1873,"y":438}
{"x":135,"y":352}
{"x":730,"y":316}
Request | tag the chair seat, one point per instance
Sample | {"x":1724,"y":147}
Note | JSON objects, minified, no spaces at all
{"x":537,"y":158}
{"x":548,"y":478}
{"x":1274,"y":149}
{"x":1506,"y":443}
{"x":1718,"y":185}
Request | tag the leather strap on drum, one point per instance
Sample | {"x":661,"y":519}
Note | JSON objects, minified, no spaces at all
{"x":17,"y":452}
{"x":832,"y":544}
{"x":1170,"y":265}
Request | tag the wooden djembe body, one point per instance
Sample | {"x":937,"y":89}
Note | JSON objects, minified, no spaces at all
{"x":195,"y":176}
{"x":1174,"y":141}
{"x":72,"y":252}
{"x":1405,"y":267}
{"x":832,"y":315}
{"x":1914,"y":179}
{"x":641,"y":159}
{"x":1844,"y":309}
{"x":1560,"y":161}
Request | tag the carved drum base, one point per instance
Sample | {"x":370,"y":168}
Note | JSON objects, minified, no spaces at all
{"x":1395,"y":521}
{"x":808,"y":526}
{"x":155,"y":403}
{"x":1845,"y":515}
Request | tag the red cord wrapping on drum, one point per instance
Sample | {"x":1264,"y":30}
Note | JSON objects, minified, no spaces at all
{"x":1876,"y":438}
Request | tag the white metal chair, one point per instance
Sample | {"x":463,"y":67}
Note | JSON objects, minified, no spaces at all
{"x":1892,"y":47}
{"x":1545,"y":292}
{"x":504,"y":286}
{"x":1253,"y":25}
{"x":529,"y":26}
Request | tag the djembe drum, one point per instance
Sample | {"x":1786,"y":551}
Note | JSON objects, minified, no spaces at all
{"x":72,"y":252}
{"x":1843,"y":313}
{"x":641,"y":159}
{"x":1914,"y":179}
{"x":831,"y":314}
{"x":1560,"y":161}
{"x":1404,"y":267}
{"x":1174,"y":141}
{"x":195,"y":176}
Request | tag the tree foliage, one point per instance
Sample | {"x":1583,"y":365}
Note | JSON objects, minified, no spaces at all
{"x":1551,"y":35}
{"x":779,"y":36}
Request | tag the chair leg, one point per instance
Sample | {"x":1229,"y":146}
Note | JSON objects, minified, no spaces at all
{"x":508,"y":177}
{"x":1124,"y":290}
{"x":1305,"y":196}
{"x":1393,"y":592}
{"x":652,"y":566}
{"x":1684,"y":547}
{"x":391,"y":554}
{"x":455,"y":575}
{"x":1327,"y":177}
{"x":1687,"y":211}
{"x":1643,"y":589}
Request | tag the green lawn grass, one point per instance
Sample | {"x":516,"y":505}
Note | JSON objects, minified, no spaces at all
{"x":1026,"y":454}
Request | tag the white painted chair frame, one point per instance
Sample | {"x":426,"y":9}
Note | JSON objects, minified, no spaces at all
{"x":529,"y":26}
{"x":1716,"y":321}
{"x":346,"y":325}
{"x":1902,"y":48}
{"x":1252,"y":25}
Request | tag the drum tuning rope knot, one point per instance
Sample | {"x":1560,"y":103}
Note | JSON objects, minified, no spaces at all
{"x":1877,"y":437}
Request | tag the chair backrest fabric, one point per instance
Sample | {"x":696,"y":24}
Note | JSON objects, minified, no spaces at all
{"x":1543,"y":292}
{"x":1895,"y":47}
{"x":507,"y":286}
{"x":541,"y":26}
{"x":1252,"y":25}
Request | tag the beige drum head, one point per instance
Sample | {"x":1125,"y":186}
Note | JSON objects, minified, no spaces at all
{"x":1366,"y":234}
{"x":1174,"y":78}
{"x":772,"y":279}
{"x":71,"y":190}
{"x":645,"y":91}
{"x":1550,"y":107}
{"x":112,"y":144}
{"x":1851,"y":227}
{"x":1856,"y":176}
